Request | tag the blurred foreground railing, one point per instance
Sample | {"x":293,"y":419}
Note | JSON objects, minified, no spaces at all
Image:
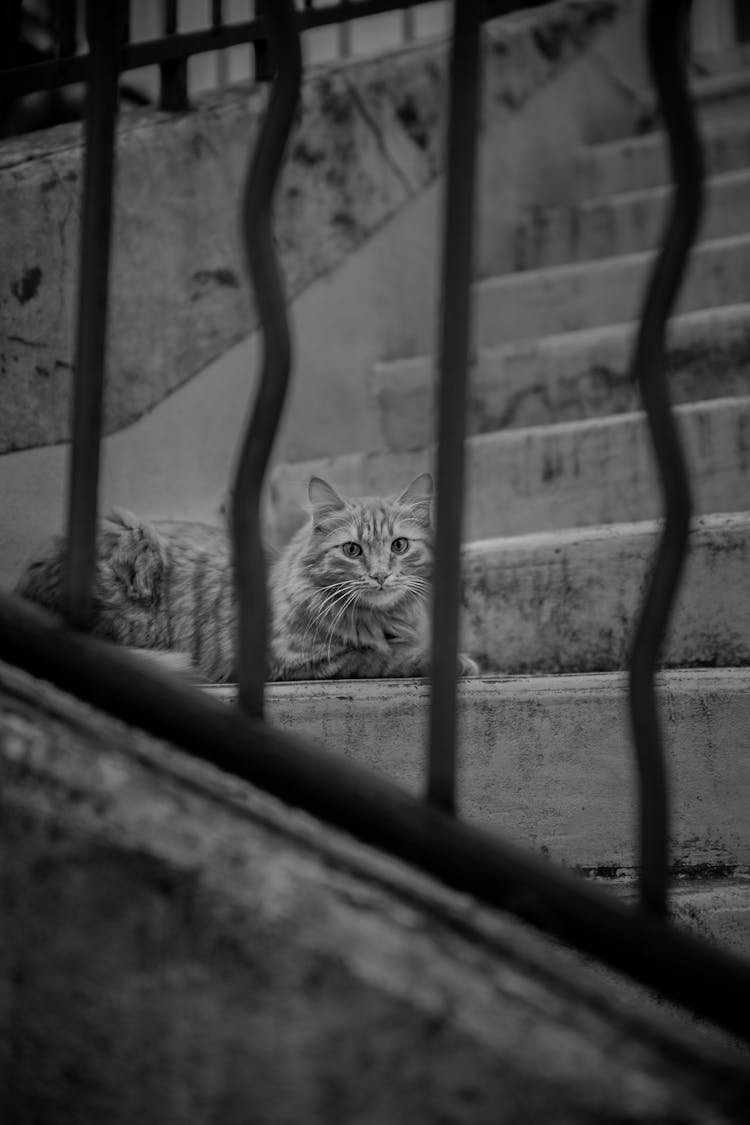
{"x":424,"y":833}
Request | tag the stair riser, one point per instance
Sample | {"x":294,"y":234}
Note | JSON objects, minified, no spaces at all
{"x":641,"y":162}
{"x":539,"y":479}
{"x":624,"y":224}
{"x":565,"y":378}
{"x":721,"y":106}
{"x":531,"y":304}
{"x":567,"y":604}
{"x":549,"y":764}
{"x":717,"y":908}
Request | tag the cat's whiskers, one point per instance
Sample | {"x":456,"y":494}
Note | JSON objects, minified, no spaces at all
{"x":322,"y":610}
{"x":413,"y":584}
{"x":329,"y":603}
{"x":353,"y":599}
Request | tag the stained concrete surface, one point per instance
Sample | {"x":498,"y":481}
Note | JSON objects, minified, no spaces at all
{"x":176,"y":946}
{"x":548,"y":761}
{"x":567,"y":376}
{"x":565,"y":475}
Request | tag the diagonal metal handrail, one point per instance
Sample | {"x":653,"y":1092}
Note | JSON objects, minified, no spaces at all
{"x":265,"y":274}
{"x":666,"y":28}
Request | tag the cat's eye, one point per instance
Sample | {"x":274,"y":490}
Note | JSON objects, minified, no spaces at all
{"x":398,"y":546}
{"x":351,"y":549}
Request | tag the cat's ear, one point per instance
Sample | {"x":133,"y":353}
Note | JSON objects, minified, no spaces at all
{"x":418,"y":496}
{"x":323,"y":498}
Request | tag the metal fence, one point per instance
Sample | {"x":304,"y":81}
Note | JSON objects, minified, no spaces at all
{"x":43,"y":43}
{"x":426,"y":833}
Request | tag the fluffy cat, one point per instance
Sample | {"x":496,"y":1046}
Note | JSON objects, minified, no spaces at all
{"x":348,"y":594}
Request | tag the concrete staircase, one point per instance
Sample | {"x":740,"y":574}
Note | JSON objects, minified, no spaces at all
{"x":561,"y":519}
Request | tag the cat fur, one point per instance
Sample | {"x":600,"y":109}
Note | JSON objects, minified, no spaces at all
{"x":168,"y":586}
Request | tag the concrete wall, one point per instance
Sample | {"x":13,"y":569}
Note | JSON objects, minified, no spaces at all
{"x":175,"y":946}
{"x":357,"y":228}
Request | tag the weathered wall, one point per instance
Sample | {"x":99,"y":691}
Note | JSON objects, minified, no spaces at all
{"x":174,"y":946}
{"x":357,"y":225}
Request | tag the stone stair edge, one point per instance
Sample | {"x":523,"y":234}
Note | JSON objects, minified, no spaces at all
{"x":603,"y":167}
{"x":706,"y":90}
{"x":595,"y":684}
{"x":657,"y":192}
{"x":709,"y":129}
{"x":565,"y":297}
{"x":549,"y":762}
{"x":623,"y":222}
{"x":716,"y":315}
{"x":736,"y":521}
{"x":599,"y":265}
{"x":348,"y":462}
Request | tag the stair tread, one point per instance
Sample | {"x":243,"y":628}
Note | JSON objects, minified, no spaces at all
{"x":738,"y":312}
{"x":552,"y":539}
{"x":598,"y":265}
{"x":656,"y":192}
{"x":587,"y":471}
{"x":548,"y":760}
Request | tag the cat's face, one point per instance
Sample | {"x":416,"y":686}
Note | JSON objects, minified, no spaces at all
{"x":379,"y":551}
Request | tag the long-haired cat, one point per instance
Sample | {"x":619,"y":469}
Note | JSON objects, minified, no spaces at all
{"x":349,"y":594}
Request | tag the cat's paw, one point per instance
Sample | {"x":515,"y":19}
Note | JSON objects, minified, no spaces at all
{"x":467,"y":666}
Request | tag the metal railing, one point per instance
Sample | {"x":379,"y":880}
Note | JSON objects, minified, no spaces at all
{"x":43,"y":44}
{"x":425,"y":833}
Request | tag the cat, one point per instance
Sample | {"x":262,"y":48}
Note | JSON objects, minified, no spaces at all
{"x":162,"y":585}
{"x":349,"y":594}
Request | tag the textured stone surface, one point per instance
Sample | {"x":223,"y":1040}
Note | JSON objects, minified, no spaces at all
{"x":568,"y":376}
{"x":572,"y":474}
{"x":624,"y":223}
{"x":548,"y":761}
{"x":717,"y":907}
{"x":567,"y":601}
{"x":606,"y":291}
{"x":369,"y":138}
{"x":634,"y":163}
{"x":177,"y":947}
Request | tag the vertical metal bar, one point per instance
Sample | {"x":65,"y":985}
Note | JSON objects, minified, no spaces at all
{"x":262,"y":61}
{"x":408,"y":25}
{"x":66,"y":27}
{"x":173,"y":73}
{"x":665,"y":30}
{"x":455,"y":330}
{"x":265,"y":275}
{"x":10,"y":32}
{"x":103,"y":31}
{"x":217,"y":21}
{"x":345,"y":35}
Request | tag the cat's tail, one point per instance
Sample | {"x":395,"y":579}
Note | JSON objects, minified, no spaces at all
{"x":135,"y":554}
{"x":131,"y":559}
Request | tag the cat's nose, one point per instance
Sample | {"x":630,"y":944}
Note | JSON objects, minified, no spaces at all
{"x":379,"y":576}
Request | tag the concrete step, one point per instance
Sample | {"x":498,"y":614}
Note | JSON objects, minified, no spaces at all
{"x":548,"y":762}
{"x":624,"y":223}
{"x":719,"y":96}
{"x":717,"y":907}
{"x":636,"y":163}
{"x":723,"y":95}
{"x":566,"y":601}
{"x":567,"y":298}
{"x":572,"y":474}
{"x":566,"y":377}
{"x":242,"y":946}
